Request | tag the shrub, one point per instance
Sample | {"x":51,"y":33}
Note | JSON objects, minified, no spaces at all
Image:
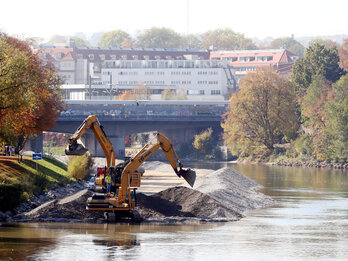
{"x":10,"y":196}
{"x":78,"y":166}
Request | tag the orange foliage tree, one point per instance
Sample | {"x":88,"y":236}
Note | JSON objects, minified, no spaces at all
{"x":261,"y":114}
{"x":29,"y":91}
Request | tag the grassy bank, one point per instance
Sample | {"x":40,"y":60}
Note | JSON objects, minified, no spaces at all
{"x":20,"y":181}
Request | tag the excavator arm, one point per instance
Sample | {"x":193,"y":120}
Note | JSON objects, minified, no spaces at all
{"x":144,"y":154}
{"x":91,"y":122}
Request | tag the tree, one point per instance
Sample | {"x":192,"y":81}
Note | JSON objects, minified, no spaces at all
{"x":191,"y":41}
{"x":261,"y":114}
{"x":343,"y":53}
{"x":288,"y":43}
{"x":140,"y":92}
{"x":113,"y":39}
{"x":79,"y":42}
{"x":337,"y":115}
{"x":29,"y":92}
{"x":203,"y":142}
{"x":326,"y":42}
{"x":226,"y":39}
{"x":317,"y":60}
{"x":57,"y":39}
{"x":156,"y":37}
{"x":168,"y":94}
{"x":313,"y":108}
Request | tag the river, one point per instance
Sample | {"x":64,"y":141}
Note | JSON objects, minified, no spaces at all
{"x":308,"y":222}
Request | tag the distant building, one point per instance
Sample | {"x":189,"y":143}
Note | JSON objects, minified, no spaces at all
{"x":77,"y":65}
{"x":244,"y":61}
{"x":104,"y":73}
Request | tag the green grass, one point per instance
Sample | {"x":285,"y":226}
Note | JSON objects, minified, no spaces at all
{"x":55,"y":150}
{"x":22,"y":180}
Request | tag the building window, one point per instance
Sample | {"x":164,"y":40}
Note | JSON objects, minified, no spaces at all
{"x":215,"y":92}
{"x":113,"y":57}
{"x":102,"y":57}
{"x":91,"y":56}
{"x":79,"y":56}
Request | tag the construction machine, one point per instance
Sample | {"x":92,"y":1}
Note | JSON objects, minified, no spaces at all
{"x":121,"y":201}
{"x":76,"y":148}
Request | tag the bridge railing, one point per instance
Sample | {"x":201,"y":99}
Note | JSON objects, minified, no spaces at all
{"x":141,"y":111}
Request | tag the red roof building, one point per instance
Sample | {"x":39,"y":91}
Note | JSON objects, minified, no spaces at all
{"x":245,"y":61}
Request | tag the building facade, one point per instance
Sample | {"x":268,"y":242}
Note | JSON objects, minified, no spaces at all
{"x":244,"y":61}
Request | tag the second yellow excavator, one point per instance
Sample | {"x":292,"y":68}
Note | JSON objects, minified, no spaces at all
{"x":121,"y":201}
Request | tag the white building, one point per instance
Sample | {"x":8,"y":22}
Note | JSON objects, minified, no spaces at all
{"x":199,"y":79}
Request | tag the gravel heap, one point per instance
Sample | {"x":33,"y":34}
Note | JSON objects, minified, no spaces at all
{"x":222,"y":195}
{"x":233,"y":190}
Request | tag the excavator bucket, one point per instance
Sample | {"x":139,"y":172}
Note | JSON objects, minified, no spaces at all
{"x":189,"y":175}
{"x":75,"y":149}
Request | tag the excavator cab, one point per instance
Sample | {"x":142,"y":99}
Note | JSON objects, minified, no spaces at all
{"x":75,"y":148}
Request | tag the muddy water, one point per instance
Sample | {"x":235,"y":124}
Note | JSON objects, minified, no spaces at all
{"x":309,"y":222}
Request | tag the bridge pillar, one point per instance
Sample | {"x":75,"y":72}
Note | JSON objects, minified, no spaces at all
{"x":35,"y":145}
{"x":96,"y":150}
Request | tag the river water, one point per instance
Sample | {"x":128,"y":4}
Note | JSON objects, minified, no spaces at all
{"x":308,"y":222}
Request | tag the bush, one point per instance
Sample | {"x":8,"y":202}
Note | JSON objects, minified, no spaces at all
{"x":10,"y":196}
{"x":78,"y":166}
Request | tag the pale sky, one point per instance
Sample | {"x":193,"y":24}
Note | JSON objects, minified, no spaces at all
{"x":253,"y":18}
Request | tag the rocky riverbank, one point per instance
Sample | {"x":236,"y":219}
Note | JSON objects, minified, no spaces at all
{"x":36,"y":201}
{"x":314,"y":164}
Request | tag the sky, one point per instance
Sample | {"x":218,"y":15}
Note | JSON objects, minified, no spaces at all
{"x":253,"y":18}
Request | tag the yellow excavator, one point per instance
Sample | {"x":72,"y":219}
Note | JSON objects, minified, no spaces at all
{"x":120,"y":203}
{"x":76,"y":148}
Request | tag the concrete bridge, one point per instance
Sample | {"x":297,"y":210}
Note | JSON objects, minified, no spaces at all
{"x":178,"y":120}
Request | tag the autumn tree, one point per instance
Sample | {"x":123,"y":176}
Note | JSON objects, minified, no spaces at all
{"x":226,"y":39}
{"x":113,"y":39}
{"x":317,"y":60}
{"x":156,"y":37}
{"x":314,"y":114}
{"x":29,"y":92}
{"x":289,"y":44}
{"x":140,"y":92}
{"x":261,"y":114}
{"x":203,"y":142}
{"x":168,"y":94}
{"x":343,"y":53}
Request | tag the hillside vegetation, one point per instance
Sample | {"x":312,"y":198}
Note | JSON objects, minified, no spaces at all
{"x":20,"y":181}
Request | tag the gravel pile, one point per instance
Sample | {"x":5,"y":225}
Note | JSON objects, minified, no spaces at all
{"x":233,"y":190}
{"x":183,"y":202}
{"x":68,"y":209}
{"x":222,"y":195}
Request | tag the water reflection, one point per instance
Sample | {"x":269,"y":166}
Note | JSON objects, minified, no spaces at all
{"x":308,"y":222}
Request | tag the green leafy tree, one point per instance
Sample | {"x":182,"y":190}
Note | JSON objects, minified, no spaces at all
{"x":113,"y":39}
{"x":226,"y":39}
{"x":317,"y":60}
{"x":326,"y":42}
{"x":338,"y":120}
{"x":156,"y":37}
{"x":57,"y":39}
{"x":288,"y":43}
{"x":261,"y":114}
